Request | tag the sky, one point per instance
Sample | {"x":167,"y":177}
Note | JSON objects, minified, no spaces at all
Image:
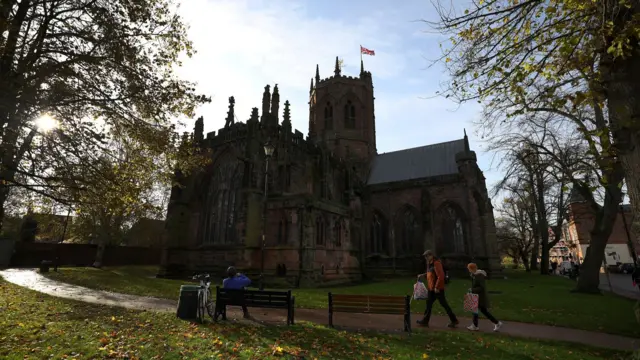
{"x":243,"y":45}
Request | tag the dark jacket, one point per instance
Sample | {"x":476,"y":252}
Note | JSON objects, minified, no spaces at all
{"x":479,"y":286}
{"x":635,"y":276}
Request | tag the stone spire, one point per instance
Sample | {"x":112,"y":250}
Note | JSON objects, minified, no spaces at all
{"x":317,"y":74}
{"x":254,"y":114}
{"x":266,"y":98}
{"x":337,"y":69}
{"x":275,"y":104}
{"x":311,"y":88}
{"x":287,"y":114}
{"x":466,"y":141}
{"x":231,"y":113}
{"x":198,"y":130}
{"x":467,"y":154}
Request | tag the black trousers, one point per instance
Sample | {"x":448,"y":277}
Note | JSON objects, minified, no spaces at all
{"x":485,"y":312}
{"x":433,"y":296}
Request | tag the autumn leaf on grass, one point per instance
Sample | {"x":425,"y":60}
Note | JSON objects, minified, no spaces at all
{"x":104,"y":341}
{"x":425,"y":356}
{"x":277,"y":350}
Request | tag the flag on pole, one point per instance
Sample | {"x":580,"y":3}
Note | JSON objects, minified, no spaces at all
{"x":364,"y":50}
{"x":340,"y":63}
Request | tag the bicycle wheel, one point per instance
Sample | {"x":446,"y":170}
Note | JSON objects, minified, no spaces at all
{"x":210,"y":305}
{"x":200,"y":307}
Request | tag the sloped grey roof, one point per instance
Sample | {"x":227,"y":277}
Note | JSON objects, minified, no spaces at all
{"x":416,"y":163}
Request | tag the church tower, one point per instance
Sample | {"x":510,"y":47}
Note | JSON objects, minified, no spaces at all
{"x":341,"y":114}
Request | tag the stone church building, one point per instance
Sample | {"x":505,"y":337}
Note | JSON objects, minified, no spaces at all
{"x":332,"y":208}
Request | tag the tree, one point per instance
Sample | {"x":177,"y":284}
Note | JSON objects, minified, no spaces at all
{"x":514,"y":230}
{"x":569,"y":162}
{"x":562,"y":58}
{"x":531,"y":177}
{"x":91,"y":65}
{"x":127,"y":184}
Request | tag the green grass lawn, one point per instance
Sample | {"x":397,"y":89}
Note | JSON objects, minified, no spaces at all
{"x":38,"y":326}
{"x":523,"y":297}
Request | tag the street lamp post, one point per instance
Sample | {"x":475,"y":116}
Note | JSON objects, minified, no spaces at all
{"x":268,"y":152}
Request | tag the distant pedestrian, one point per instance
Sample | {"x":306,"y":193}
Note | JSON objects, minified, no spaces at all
{"x":435,"y":277}
{"x":554,"y":267}
{"x":479,"y":287}
{"x":635,"y":276}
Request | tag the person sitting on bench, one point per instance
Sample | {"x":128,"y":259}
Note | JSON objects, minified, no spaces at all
{"x":237,"y":281}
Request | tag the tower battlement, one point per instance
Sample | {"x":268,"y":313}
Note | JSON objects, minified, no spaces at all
{"x":282,"y":135}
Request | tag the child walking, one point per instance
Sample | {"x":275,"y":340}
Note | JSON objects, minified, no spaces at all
{"x":479,"y":287}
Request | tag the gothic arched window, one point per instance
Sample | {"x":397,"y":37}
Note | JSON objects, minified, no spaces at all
{"x":337,"y":228}
{"x":453,"y":234}
{"x":407,"y":230}
{"x":221,"y":212}
{"x":349,"y":115}
{"x":283,"y":231}
{"x":320,"y":231}
{"x":328,"y":117}
{"x":378,"y":243}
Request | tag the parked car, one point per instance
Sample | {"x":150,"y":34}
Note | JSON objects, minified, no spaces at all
{"x":565,"y":268}
{"x":614,"y":269}
{"x":626,"y":268}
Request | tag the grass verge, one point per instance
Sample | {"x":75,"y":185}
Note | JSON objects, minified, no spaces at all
{"x":38,"y":326}
{"x":522,"y":297}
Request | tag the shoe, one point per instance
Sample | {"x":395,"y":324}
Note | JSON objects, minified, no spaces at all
{"x":423,"y":323}
{"x":497,"y":326}
{"x":472,"y":328}
{"x":453,"y":324}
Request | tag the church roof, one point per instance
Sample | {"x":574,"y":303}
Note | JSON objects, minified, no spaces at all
{"x":416,"y":163}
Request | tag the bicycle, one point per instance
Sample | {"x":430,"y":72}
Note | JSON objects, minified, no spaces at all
{"x":204,"y":297}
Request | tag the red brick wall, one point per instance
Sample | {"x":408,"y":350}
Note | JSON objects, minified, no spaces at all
{"x":582,"y":220}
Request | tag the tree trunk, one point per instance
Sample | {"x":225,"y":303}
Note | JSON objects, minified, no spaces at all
{"x":4,"y":194}
{"x":589,"y":280}
{"x":103,"y":239}
{"x":622,"y":76}
{"x":535,"y":249}
{"x":527,"y":268}
{"x":100,"y":254}
{"x":544,"y":259}
{"x":605,"y":218}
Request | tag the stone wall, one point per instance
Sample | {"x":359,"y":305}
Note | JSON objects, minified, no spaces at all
{"x":32,"y":254}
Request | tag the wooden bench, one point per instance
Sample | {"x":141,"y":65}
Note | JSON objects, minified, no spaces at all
{"x":371,"y":304}
{"x":256,"y":299}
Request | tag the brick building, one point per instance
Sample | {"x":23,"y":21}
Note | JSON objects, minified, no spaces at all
{"x":580,"y":223}
{"x":336,"y":210}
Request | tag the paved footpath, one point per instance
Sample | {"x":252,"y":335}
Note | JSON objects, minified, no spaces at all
{"x":32,"y":280}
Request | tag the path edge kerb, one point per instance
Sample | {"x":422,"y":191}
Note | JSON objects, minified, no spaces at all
{"x":32,"y":280}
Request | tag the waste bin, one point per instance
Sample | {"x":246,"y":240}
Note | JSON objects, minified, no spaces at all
{"x":188,"y":302}
{"x":45,"y":265}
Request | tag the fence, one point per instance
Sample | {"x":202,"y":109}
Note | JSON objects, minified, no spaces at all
{"x":32,"y":254}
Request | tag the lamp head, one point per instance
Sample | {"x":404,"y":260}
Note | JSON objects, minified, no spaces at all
{"x":268,"y":149}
